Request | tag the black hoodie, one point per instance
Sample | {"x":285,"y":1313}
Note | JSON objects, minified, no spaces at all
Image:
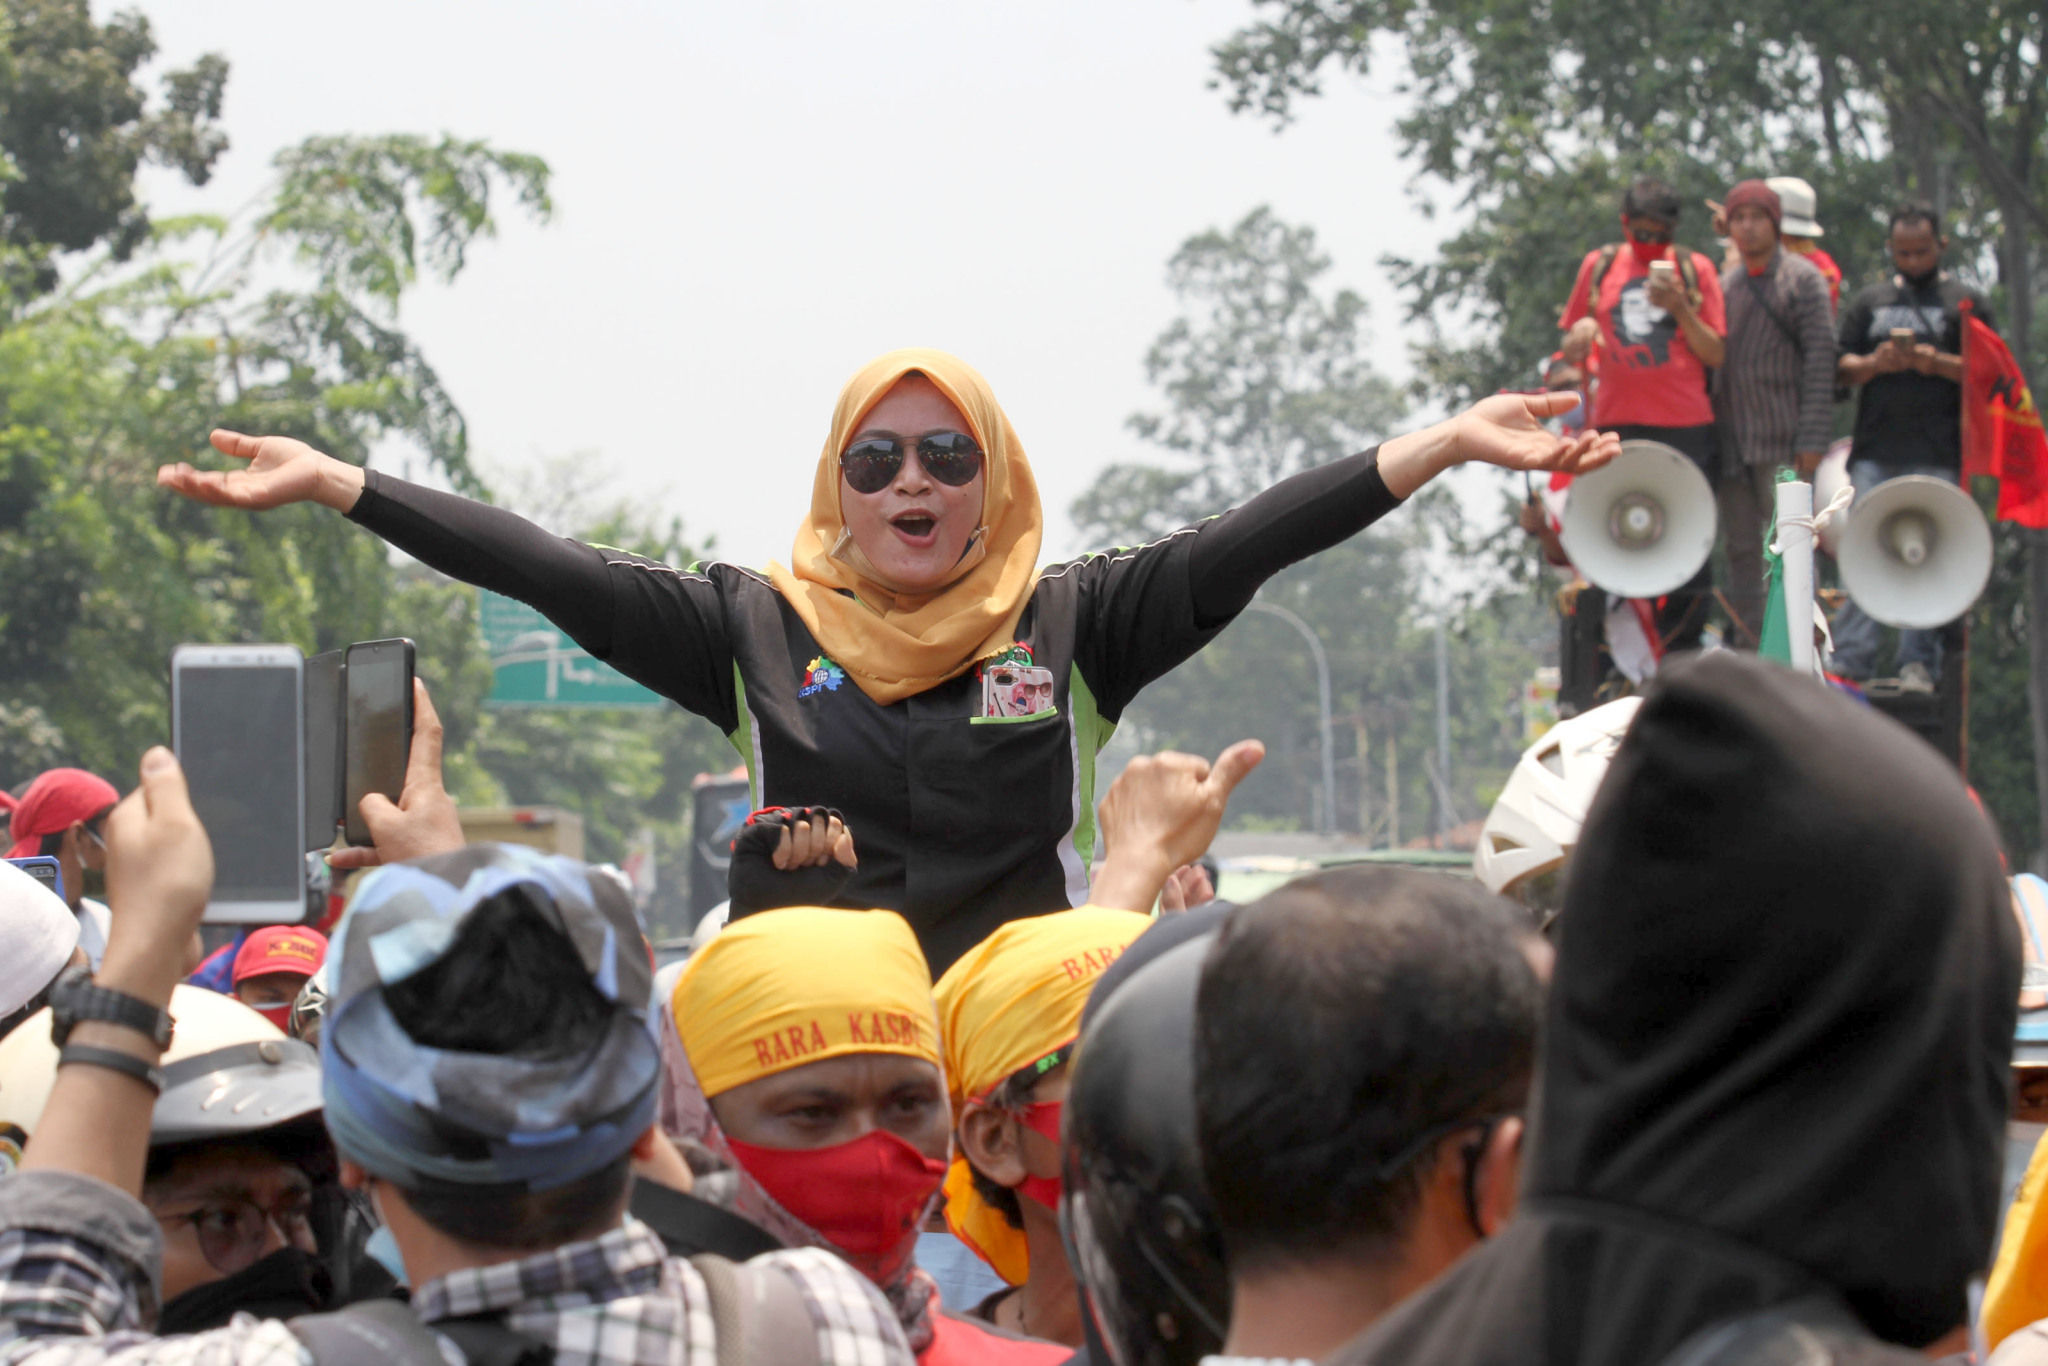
{"x":1775,"y":1053}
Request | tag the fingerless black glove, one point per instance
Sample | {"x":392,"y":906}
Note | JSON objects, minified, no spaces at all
{"x":754,"y":883}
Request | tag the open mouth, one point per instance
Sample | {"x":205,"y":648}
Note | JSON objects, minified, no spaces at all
{"x":915,"y":526}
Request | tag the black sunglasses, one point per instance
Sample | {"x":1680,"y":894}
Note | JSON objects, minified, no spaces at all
{"x":870,"y":464}
{"x":1651,"y":237}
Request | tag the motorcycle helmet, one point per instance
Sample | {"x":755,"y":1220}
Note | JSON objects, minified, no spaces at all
{"x":1135,"y":1216}
{"x":1533,"y":826}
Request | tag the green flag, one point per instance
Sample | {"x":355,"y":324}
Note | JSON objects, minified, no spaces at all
{"x":1775,"y":642}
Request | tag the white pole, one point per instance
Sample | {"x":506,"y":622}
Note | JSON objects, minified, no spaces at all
{"x":1795,"y":550}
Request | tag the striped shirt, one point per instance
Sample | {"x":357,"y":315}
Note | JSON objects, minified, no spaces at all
{"x":1775,"y":396}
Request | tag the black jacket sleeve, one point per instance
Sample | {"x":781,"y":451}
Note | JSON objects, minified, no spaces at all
{"x":1143,"y":611}
{"x":661,"y":627}
{"x":1294,"y":519}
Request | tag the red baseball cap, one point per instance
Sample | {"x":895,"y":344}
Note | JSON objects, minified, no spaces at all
{"x":280,"y":948}
{"x":52,"y":802}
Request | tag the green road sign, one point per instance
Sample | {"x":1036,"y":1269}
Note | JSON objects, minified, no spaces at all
{"x":535,"y":665}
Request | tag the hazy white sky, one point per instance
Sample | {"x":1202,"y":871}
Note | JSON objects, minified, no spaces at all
{"x":753,"y":199}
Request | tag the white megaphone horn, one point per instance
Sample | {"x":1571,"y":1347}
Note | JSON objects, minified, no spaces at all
{"x":1641,"y":525}
{"x":1916,"y":552}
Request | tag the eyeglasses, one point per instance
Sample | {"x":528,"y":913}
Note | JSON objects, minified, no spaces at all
{"x":1652,"y":237}
{"x":870,"y":464}
{"x":233,"y":1232}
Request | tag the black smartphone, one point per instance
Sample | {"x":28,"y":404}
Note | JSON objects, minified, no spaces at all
{"x":376,"y":678}
{"x":43,"y":869}
{"x":238,"y":727}
{"x":323,"y":748}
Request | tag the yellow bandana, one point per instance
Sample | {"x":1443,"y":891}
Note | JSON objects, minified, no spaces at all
{"x":786,"y":987}
{"x":894,"y":645}
{"x":1014,"y":999}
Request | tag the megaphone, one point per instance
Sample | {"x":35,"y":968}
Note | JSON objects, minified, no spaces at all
{"x":1642,"y":524}
{"x":1916,"y":552}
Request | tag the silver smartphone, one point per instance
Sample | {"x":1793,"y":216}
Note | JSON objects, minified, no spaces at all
{"x":237,"y":726}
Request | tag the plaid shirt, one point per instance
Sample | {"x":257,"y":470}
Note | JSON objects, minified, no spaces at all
{"x":78,"y":1287}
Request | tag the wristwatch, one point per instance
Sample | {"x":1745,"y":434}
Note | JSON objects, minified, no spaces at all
{"x":76,"y":998}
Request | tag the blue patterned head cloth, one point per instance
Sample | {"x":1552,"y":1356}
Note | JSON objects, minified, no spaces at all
{"x":415,"y":1115}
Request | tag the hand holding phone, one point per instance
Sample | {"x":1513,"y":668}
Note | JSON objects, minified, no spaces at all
{"x":424,"y":820}
{"x":377,"y":678}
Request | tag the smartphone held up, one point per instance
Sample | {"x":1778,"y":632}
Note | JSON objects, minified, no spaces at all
{"x":237,"y":726}
{"x":279,"y":751}
{"x":376,"y":680}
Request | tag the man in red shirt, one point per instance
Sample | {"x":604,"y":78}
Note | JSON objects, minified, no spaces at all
{"x":1653,"y":315}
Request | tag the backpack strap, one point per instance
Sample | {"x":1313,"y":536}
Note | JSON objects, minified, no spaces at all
{"x":1601,"y":265}
{"x":1761,"y":292}
{"x":688,"y":1225}
{"x":390,"y":1333}
{"x":758,"y":1315}
{"x":1688,"y":271}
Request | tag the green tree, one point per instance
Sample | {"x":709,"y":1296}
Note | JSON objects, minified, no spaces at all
{"x":74,"y":126}
{"x":1535,"y":117}
{"x":1262,"y":376}
{"x":131,"y":362}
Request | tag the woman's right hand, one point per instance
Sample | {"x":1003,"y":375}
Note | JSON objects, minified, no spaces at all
{"x":281,"y":470}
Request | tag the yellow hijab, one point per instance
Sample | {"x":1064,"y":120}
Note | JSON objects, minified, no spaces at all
{"x":1014,"y":999}
{"x":893,"y":644}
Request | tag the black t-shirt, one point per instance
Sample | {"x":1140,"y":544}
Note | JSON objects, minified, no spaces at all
{"x":1909,"y":418}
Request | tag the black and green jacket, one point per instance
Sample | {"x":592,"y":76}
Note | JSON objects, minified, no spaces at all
{"x":962,"y":821}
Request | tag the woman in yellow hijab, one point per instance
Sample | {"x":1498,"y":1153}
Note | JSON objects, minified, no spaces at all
{"x":913,"y":666}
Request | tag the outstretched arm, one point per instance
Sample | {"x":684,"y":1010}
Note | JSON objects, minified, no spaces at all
{"x":464,"y":539}
{"x":1319,"y":508}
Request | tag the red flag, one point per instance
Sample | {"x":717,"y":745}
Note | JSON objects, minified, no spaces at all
{"x":2002,"y":435}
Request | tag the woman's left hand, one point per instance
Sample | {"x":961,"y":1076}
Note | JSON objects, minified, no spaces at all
{"x":1505,"y":430}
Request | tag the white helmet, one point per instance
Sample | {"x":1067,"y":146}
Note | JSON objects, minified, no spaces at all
{"x":1532,"y":828}
{"x":228,"y":1071}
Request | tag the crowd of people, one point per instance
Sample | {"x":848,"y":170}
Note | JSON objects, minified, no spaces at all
{"x":977,"y":1068}
{"x":1738,"y":364}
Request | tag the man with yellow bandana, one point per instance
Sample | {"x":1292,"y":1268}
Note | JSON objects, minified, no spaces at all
{"x":1009,"y":1012}
{"x":810,"y":1090}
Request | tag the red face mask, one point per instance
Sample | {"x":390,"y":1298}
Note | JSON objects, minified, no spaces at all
{"x":864,"y":1197}
{"x":1043,"y":1119}
{"x":1647,"y":252}
{"x":281,"y":1015}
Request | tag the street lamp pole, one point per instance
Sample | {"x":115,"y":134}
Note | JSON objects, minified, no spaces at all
{"x":1328,"y":813}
